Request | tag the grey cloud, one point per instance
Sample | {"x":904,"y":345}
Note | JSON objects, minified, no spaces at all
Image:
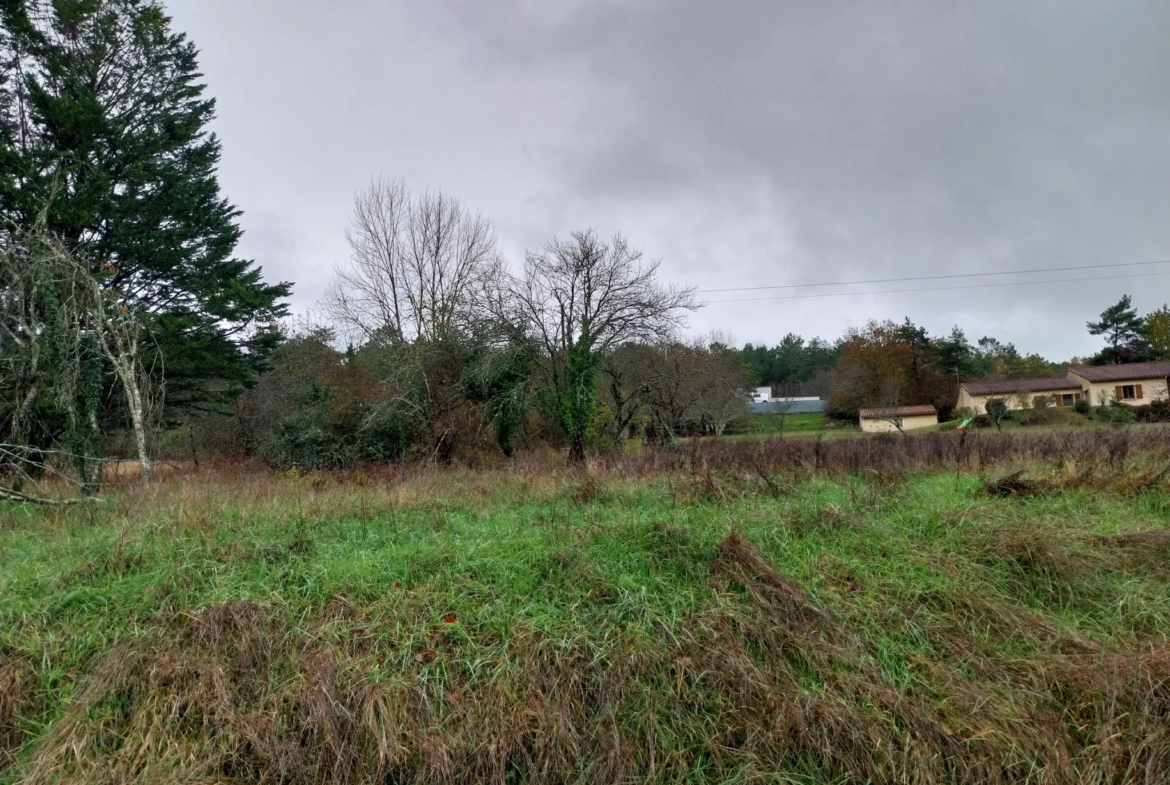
{"x":757,"y":142}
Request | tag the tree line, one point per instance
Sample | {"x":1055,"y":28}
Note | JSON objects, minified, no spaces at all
{"x":445,"y":343}
{"x":886,"y":363}
{"x":125,"y":309}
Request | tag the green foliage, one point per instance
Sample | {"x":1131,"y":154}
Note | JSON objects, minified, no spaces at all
{"x":1157,"y":333}
{"x":113,"y":140}
{"x":1124,"y":334}
{"x":793,"y":361}
{"x":997,"y":411}
{"x":499,"y":377}
{"x":319,"y":409}
{"x":311,"y":440}
{"x":1082,"y":407}
{"x":1115,"y":412}
{"x":996,"y":407}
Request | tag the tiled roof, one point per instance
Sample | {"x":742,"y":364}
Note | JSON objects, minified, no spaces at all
{"x":898,"y":411}
{"x":1011,"y":386}
{"x":1122,"y":373}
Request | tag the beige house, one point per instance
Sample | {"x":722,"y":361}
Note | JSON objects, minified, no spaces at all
{"x":897,"y":418}
{"x":1133,"y":384}
{"x":1013,"y":392}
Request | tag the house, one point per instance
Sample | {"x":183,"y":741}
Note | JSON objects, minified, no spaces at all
{"x":1133,"y":384}
{"x":896,"y":418}
{"x":1013,"y":392}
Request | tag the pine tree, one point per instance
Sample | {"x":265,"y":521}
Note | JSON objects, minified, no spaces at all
{"x":1123,"y":331}
{"x":1157,"y":332}
{"x":103,"y":122}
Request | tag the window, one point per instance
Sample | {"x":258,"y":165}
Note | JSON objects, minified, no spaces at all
{"x":897,"y":422}
{"x":1066,"y":400}
{"x":1128,"y":392}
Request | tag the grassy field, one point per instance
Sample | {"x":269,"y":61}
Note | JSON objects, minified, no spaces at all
{"x":779,"y":612}
{"x":793,"y":425}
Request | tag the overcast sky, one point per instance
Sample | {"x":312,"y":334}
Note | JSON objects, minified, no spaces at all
{"x":744,"y":143}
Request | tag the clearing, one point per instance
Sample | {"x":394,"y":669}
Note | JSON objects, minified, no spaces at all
{"x":767,"y":611}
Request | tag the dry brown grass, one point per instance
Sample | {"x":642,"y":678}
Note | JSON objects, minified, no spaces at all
{"x":770,"y":676}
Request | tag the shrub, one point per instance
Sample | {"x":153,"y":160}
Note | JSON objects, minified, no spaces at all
{"x":981,"y":421}
{"x":963,"y":413}
{"x":298,"y":442}
{"x":997,"y":411}
{"x":1037,"y":416}
{"x":1042,"y":402}
{"x":313,"y":441}
{"x":1158,"y":411}
{"x":1082,"y":407}
{"x":1115,"y":412}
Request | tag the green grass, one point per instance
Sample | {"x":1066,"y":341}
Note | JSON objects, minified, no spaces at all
{"x":541,"y":626}
{"x":793,"y":425}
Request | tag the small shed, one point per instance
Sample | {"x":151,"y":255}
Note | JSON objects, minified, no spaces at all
{"x":898,"y":418}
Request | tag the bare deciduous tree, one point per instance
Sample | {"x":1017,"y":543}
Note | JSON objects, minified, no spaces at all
{"x":415,"y":282}
{"x":417,"y":265}
{"x":630,"y":373}
{"x":699,"y":387}
{"x":120,"y":332}
{"x":579,"y":298}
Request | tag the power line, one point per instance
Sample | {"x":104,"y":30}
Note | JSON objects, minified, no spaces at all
{"x":930,"y":277}
{"x":938,"y":288}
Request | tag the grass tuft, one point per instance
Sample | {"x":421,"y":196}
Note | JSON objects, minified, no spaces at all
{"x":726,"y":612}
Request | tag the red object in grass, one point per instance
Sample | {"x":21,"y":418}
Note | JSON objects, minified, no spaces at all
{"x":449,"y":619}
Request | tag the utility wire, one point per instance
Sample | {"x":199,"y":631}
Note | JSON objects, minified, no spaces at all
{"x":931,"y":277}
{"x":937,"y":288}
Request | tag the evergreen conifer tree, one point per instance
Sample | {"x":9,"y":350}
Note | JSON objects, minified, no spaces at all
{"x":1124,"y":332}
{"x":103,"y":124}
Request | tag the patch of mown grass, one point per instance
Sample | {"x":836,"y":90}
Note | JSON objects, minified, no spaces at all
{"x":713,"y":626}
{"x":792,"y":424}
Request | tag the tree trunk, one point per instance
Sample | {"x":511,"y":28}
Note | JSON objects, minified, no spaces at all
{"x":137,"y":414}
{"x":577,"y":448}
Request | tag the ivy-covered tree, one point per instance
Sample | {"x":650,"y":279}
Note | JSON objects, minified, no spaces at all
{"x":103,"y":127}
{"x":578,"y":299}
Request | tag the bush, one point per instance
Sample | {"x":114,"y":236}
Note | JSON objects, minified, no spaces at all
{"x":1082,"y":407}
{"x":1037,"y":416}
{"x":1158,"y":411}
{"x":963,"y":413}
{"x":313,"y":440}
{"x":981,"y":421}
{"x":997,"y":407}
{"x":1115,"y":412}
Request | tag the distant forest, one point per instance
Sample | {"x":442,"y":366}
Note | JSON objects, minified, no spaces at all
{"x":800,"y":364}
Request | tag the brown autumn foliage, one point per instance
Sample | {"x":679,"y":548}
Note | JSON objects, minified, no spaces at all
{"x":874,"y":368}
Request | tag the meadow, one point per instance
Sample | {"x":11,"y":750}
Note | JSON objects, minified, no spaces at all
{"x":948,"y":608}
